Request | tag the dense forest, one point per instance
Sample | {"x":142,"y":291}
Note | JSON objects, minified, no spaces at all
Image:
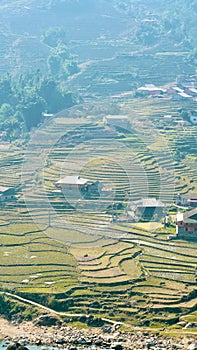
{"x":42,"y":47}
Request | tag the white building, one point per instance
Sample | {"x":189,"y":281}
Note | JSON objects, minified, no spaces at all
{"x":76,"y":185}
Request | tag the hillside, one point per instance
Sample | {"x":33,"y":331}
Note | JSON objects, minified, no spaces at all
{"x":78,"y":61}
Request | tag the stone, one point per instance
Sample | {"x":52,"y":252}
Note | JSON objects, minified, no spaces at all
{"x":12,"y":347}
{"x":192,"y":346}
{"x":117,"y":346}
{"x":182,"y":323}
{"x":177,"y":346}
{"x":48,"y":320}
{"x":16,"y":346}
{"x":190,"y":325}
{"x":60,"y":341}
{"x":98,"y":342}
{"x":107,"y":329}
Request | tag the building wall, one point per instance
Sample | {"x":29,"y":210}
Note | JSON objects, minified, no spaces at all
{"x":78,"y":190}
{"x":193,"y":204}
{"x":71,"y":190}
{"x":182,"y":233}
{"x":193,"y":119}
{"x":7,"y":195}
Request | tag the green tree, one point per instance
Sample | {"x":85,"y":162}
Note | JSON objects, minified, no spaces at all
{"x":62,"y":51}
{"x":6,"y":111}
{"x":54,"y":36}
{"x":32,"y":111}
{"x":53,"y":63}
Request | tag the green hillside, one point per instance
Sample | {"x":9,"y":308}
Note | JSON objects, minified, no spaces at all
{"x":64,"y":65}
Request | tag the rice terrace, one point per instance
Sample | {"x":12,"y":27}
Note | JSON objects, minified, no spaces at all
{"x":98,"y":167}
{"x":76,"y":249}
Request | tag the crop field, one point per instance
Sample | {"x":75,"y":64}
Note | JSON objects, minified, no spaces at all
{"x":53,"y":244}
{"x":72,"y":248}
{"x":123,"y":73}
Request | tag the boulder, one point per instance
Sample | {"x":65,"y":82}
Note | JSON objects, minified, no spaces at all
{"x":16,"y":346}
{"x":116,"y":346}
{"x":11,"y":347}
{"x":192,"y":346}
{"x":182,"y":323}
{"x":190,"y":325}
{"x":48,"y":320}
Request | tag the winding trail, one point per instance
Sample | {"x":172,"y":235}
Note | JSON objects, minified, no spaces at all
{"x":27,"y":301}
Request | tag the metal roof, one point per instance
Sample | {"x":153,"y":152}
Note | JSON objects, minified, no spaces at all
{"x":149,"y":202}
{"x":192,"y":196}
{"x":183,"y":94}
{"x":187,"y":217}
{"x":114,"y":117}
{"x":193,"y":90}
{"x":150,"y":87}
{"x":4,"y":189}
{"x":73,"y":180}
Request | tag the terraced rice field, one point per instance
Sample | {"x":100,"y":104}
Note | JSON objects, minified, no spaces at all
{"x":53,"y":244}
{"x":109,"y":77}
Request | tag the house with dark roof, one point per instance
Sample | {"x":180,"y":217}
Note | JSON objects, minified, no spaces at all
{"x":148,"y":209}
{"x":6,"y":193}
{"x":186,"y":226}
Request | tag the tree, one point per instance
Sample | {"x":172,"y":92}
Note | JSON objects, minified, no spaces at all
{"x":6,"y":111}
{"x":32,"y":111}
{"x":54,"y":36}
{"x":53,"y":63}
{"x":63,"y":51}
{"x":5,"y":90}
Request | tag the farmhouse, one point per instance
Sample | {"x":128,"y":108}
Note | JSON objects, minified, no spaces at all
{"x":189,"y":200}
{"x":150,"y":89}
{"x":187,"y":224}
{"x":6,"y":193}
{"x":75,"y":185}
{"x":147,"y":208}
{"x":117,"y":121}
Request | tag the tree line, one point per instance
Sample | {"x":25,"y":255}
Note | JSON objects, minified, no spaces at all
{"x":24,"y":97}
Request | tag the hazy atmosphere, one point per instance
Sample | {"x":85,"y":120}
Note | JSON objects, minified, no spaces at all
{"x":98,"y":174}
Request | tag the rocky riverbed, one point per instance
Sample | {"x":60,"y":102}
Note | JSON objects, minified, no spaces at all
{"x":107,"y":337}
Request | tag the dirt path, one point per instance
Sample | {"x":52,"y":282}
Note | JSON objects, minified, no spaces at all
{"x":27,"y":301}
